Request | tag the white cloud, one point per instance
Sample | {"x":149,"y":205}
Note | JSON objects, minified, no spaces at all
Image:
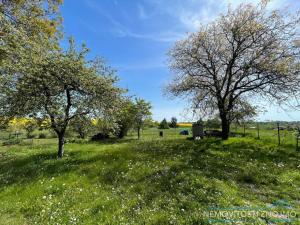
{"x":189,"y":14}
{"x":121,"y":30}
{"x":167,"y":36}
{"x":192,"y":13}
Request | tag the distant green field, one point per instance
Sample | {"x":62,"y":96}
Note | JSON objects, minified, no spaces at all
{"x":154,"y":180}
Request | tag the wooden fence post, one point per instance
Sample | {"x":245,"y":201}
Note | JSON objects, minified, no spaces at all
{"x":278,"y":129}
{"x":297,"y":142}
{"x":258,"y":136}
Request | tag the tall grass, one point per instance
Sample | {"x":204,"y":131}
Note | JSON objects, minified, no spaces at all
{"x":154,"y":180}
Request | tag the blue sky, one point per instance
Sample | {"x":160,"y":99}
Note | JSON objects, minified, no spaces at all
{"x":134,"y":37}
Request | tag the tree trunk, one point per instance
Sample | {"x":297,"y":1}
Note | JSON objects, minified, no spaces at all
{"x":225,"y":127}
{"x":138,"y":130}
{"x":61,"y":140}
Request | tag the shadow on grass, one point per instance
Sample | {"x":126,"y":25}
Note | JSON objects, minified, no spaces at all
{"x":110,"y":141}
{"x":140,"y":163}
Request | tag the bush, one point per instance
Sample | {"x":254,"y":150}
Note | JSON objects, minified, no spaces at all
{"x":42,"y":136}
{"x":52,"y":134}
{"x":31,"y":136}
{"x":11,"y":142}
{"x":213,"y":123}
{"x":99,"y":137}
{"x":164,"y":124}
{"x":173,"y":123}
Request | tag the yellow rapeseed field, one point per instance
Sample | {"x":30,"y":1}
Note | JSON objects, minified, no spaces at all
{"x":185,"y":124}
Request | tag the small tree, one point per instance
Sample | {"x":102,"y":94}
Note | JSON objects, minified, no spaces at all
{"x":150,"y":123}
{"x":164,"y":124}
{"x":3,"y":123}
{"x":242,"y":112}
{"x":141,"y":113}
{"x":15,"y":126}
{"x":125,"y":117}
{"x":105,"y":126}
{"x":213,"y":123}
{"x":30,"y":125}
{"x":62,"y":86}
{"x":200,"y":122}
{"x":173,"y":123}
{"x":81,"y":125}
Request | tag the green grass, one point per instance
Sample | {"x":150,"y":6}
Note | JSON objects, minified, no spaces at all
{"x":155,"y":180}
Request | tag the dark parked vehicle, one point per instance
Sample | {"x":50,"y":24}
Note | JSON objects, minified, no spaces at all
{"x":280,"y":128}
{"x":184,"y":132}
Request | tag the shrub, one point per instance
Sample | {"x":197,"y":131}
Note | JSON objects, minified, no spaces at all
{"x":11,"y":142}
{"x":42,"y":136}
{"x":164,"y":124}
{"x":53,"y":134}
{"x":31,"y":136}
{"x":173,"y":122}
{"x":100,"y":137}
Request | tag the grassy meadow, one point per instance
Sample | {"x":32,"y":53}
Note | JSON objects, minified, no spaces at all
{"x":169,"y":180}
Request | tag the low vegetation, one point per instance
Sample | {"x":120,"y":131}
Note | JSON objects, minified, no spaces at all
{"x":154,"y":180}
